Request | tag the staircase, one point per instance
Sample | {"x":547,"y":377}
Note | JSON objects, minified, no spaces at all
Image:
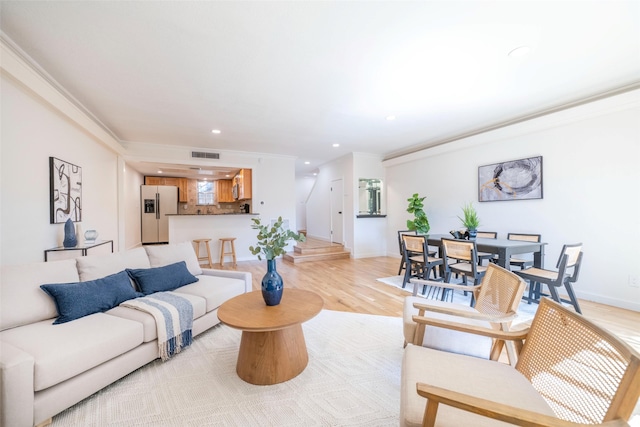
{"x":316,"y":250}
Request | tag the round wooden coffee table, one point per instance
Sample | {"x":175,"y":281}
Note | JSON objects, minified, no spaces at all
{"x":272,"y":348}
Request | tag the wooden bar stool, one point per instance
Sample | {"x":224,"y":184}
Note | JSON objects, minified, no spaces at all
{"x":206,"y":258}
{"x":223,"y":240}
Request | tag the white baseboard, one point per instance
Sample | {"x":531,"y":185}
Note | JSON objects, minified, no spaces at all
{"x":615,"y":302}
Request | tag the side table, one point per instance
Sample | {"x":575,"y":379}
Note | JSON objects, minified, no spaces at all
{"x":83,"y":248}
{"x":272,"y":348}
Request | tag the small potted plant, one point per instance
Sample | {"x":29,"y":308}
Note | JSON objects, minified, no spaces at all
{"x":470,"y":219}
{"x":420,"y":223}
{"x":272,"y":241}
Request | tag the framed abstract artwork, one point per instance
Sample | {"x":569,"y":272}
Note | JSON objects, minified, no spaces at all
{"x":513,"y":180}
{"x":65,"y":183}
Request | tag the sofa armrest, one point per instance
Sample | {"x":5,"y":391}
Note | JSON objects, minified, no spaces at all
{"x":16,"y":386}
{"x":233,"y":274}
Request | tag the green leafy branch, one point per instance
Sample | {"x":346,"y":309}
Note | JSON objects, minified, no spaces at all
{"x":272,"y":239}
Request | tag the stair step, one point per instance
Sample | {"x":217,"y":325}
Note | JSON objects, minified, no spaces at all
{"x":306,"y":250}
{"x":296,"y":257}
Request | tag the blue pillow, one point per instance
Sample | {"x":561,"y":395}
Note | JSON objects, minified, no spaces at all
{"x":76,"y":300}
{"x":160,"y":279}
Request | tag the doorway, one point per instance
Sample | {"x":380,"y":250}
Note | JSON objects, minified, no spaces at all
{"x":337,"y":200}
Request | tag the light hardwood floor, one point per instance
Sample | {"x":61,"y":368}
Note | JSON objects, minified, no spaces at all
{"x":351,"y":285}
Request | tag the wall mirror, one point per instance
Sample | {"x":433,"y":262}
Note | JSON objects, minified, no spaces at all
{"x":370,"y":197}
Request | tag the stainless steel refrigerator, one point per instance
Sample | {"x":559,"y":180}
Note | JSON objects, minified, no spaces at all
{"x":156,"y":202}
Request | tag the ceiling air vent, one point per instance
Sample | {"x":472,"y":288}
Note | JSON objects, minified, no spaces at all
{"x":204,"y":155}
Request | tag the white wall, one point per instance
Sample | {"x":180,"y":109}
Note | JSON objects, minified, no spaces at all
{"x":590,"y":178}
{"x":131,"y":196}
{"x":32,"y":131}
{"x":368,"y":233}
{"x":304,"y":185}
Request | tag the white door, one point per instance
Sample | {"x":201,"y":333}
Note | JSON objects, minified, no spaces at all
{"x":337,"y":199}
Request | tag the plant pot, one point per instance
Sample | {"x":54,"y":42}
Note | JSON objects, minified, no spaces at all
{"x":272,"y":285}
{"x":472,"y":234}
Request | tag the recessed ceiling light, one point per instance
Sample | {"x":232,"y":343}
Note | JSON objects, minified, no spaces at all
{"x":314,"y":174}
{"x":307,"y":163}
{"x":216,"y":131}
{"x":520,"y":52}
{"x":391,"y":118}
{"x":336,"y":145}
{"x":227,"y":175}
{"x":159,"y":171}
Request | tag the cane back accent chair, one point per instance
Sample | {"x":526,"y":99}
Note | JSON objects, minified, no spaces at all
{"x":570,"y":372}
{"x":497,"y":298}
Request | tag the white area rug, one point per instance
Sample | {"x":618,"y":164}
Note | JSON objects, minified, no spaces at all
{"x":525,"y":311}
{"x":352,"y":379}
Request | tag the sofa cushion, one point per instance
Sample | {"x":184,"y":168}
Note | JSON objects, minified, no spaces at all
{"x":160,"y":255}
{"x":79,"y":299}
{"x":97,"y":266}
{"x":494,"y":381}
{"x":150,"y":329}
{"x":215,"y":290}
{"x":447,"y":339}
{"x":22,"y":301}
{"x":160,"y":279}
{"x":63,"y":351}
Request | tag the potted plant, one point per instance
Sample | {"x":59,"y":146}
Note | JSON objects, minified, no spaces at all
{"x":470,"y":219}
{"x":420,"y":223}
{"x":272,"y":240}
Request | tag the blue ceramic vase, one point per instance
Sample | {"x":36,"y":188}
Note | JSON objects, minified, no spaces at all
{"x":70,"y":240}
{"x":272,"y":285}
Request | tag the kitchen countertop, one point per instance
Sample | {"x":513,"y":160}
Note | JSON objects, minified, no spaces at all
{"x":214,"y":214}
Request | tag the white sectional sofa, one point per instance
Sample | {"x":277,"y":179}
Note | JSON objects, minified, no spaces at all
{"x":46,"y":368}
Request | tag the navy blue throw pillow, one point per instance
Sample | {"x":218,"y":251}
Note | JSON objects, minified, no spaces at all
{"x":76,"y":300}
{"x":160,"y":279}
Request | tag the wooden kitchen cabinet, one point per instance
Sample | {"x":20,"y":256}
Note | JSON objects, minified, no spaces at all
{"x":181,"y":183}
{"x":243,"y":180}
{"x":224,"y":191}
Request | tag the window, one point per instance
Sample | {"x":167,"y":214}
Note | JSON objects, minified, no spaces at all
{"x":205,"y":192}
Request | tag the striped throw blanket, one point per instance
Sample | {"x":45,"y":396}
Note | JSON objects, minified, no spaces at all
{"x":174,"y":320}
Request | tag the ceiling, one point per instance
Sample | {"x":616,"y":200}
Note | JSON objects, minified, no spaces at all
{"x":295,"y":77}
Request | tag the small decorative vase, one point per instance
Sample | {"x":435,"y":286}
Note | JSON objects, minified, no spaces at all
{"x":90,"y":236}
{"x":70,"y":240}
{"x":272,"y":285}
{"x":472,"y":234}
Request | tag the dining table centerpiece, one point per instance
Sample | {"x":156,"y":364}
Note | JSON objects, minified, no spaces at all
{"x":470,"y":219}
{"x":272,"y":241}
{"x":419,"y":223}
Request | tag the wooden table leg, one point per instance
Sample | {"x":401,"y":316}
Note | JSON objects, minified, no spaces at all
{"x":272,"y":357}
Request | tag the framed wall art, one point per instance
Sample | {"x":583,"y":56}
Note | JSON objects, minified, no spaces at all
{"x":513,"y":180}
{"x":65,"y":183}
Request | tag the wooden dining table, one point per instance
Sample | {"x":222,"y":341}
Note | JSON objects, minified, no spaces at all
{"x":504,"y":248}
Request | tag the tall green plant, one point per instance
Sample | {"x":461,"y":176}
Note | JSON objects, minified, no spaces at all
{"x":272,"y":239}
{"x":470,"y":220}
{"x":420,"y":223}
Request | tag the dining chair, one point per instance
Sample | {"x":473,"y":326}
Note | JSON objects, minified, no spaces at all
{"x":523,"y":237}
{"x":482,"y":256}
{"x":497,"y":298}
{"x":570,"y":372}
{"x":461,"y":257}
{"x":402,"y":260}
{"x":419,"y":263}
{"x":568,"y":268}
